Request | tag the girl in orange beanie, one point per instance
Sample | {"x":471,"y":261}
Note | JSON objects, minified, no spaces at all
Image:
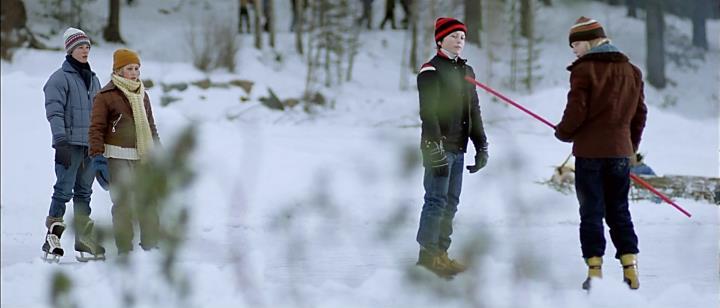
{"x":122,"y":135}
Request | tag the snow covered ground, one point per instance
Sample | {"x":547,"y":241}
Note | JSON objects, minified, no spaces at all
{"x":320,"y":210}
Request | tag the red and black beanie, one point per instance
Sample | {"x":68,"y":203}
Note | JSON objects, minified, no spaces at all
{"x":446,"y":25}
{"x":586,"y":29}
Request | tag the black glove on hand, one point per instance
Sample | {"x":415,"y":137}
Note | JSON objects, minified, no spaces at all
{"x":436,"y":158}
{"x":480,"y":161}
{"x":62,"y":153}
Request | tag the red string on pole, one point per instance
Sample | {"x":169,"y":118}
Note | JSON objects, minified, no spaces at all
{"x":541,"y":119}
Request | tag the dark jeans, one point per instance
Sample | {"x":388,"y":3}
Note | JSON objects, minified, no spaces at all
{"x":602,"y":186}
{"x":125,"y":208}
{"x":74,"y":182}
{"x":442,"y":195}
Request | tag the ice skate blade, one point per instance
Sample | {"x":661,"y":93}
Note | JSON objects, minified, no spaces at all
{"x":50,"y":258}
{"x":82,"y":256}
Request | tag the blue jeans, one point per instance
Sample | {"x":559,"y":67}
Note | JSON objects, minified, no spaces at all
{"x":74,"y":182}
{"x":602,"y":186}
{"x":442,"y":195}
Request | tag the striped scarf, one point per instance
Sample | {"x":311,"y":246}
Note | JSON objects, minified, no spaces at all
{"x":135,"y":93}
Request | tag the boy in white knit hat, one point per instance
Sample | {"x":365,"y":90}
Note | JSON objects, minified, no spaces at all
{"x":69,"y":93}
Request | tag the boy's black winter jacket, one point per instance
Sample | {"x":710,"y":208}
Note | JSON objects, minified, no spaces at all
{"x":449,"y":106}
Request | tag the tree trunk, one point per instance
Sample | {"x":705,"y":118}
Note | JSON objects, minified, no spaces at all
{"x":699,"y":17}
{"x":632,"y":8}
{"x":77,"y":18}
{"x":342,"y":9}
{"x":473,"y":20}
{"x":13,"y":19}
{"x":299,"y":24}
{"x":655,"y":28}
{"x":514,"y":44}
{"x":428,"y":27}
{"x":494,"y":35}
{"x":112,"y":30}
{"x":258,"y":26}
{"x":614,"y":2}
{"x":530,"y":35}
{"x":13,"y":16}
{"x":311,"y":47}
{"x":354,"y":45}
{"x":326,"y":39}
{"x":525,"y":17}
{"x":414,"y":33}
{"x":547,"y":2}
{"x":271,"y":21}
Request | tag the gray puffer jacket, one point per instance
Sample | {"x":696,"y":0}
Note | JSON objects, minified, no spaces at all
{"x":68,"y":104}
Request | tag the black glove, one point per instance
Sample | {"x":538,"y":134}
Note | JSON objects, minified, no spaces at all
{"x":435,"y":157}
{"x":480,"y":161}
{"x":62,"y":153}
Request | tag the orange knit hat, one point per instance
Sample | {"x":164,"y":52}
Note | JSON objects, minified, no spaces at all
{"x":124,"y":56}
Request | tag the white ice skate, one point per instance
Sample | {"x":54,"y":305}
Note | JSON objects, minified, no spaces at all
{"x":52,"y":251}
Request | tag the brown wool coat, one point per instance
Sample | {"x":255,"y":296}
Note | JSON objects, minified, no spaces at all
{"x":605,"y":113}
{"x":112,"y":120}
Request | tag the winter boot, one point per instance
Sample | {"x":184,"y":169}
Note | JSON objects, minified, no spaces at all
{"x":52,"y":251}
{"x":149,"y":227}
{"x":453,"y":266}
{"x":630,"y":270}
{"x":87,"y":245}
{"x":434,"y":263}
{"x":594,"y":271}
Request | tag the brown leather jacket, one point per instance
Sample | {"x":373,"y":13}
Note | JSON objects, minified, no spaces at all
{"x":112,"y":120}
{"x":605,"y":113}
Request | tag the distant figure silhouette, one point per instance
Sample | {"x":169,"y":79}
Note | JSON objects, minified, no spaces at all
{"x":366,"y":14}
{"x":389,"y":14}
{"x":243,"y":16}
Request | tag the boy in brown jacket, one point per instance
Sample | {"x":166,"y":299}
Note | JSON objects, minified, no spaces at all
{"x":604,"y":119}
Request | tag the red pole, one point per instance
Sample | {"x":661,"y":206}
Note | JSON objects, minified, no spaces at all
{"x":507,"y":100}
{"x":647,"y":185}
{"x":541,"y":119}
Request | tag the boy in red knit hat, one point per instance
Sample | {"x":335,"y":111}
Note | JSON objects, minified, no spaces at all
{"x":450,"y":115}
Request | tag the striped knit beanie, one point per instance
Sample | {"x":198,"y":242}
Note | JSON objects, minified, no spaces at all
{"x":74,"y":38}
{"x":446,"y":25}
{"x":586,"y":29}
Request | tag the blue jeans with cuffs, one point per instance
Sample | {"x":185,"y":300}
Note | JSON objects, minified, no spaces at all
{"x":442,"y":196}
{"x":74,"y":182}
